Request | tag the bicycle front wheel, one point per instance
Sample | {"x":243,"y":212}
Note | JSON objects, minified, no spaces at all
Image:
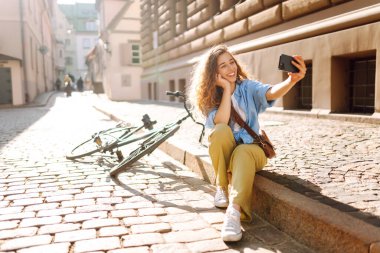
{"x":145,"y":148}
{"x":90,"y":147}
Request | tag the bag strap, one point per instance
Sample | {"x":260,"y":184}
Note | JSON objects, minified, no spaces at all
{"x":243,"y":124}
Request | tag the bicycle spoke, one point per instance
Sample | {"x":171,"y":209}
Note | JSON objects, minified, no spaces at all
{"x":99,"y":142}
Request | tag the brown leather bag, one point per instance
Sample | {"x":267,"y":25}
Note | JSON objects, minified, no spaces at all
{"x":262,"y":140}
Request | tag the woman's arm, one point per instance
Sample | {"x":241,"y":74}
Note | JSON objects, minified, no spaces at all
{"x":280,"y":89}
{"x":223,"y":113}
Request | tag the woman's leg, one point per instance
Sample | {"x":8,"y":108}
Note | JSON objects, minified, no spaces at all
{"x":246,"y":160}
{"x":222,"y":143}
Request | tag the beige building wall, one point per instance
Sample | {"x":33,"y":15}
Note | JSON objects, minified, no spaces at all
{"x":328,"y":34}
{"x":121,"y":36}
{"x":62,"y":31}
{"x":26,"y":39}
{"x":10,"y":50}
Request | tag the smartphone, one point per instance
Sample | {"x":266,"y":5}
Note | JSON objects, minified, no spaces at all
{"x":285,"y":64}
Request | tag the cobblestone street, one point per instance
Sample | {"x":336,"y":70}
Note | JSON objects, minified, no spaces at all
{"x":50,"y":204}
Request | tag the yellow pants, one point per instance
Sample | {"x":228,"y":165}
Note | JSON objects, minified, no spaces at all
{"x":242,"y":161}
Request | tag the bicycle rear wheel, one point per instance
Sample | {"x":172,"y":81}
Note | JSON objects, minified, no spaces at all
{"x":90,"y":146}
{"x":145,"y":148}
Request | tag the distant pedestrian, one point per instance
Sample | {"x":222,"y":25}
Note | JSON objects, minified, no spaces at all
{"x":72,"y":77}
{"x":80,"y":84}
{"x":58,"y":84}
{"x":220,"y":83}
{"x":68,"y":87}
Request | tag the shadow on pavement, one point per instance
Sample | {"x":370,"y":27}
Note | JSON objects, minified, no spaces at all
{"x":15,"y":120}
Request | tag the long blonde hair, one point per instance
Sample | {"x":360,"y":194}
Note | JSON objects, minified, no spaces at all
{"x":205,"y":94}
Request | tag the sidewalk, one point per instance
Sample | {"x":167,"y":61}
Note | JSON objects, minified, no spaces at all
{"x":323,"y":187}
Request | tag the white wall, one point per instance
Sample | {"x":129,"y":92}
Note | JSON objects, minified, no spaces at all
{"x":83,"y":51}
{"x":118,"y":66}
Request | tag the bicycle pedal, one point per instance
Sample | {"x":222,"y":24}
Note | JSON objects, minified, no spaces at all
{"x":120,"y":156}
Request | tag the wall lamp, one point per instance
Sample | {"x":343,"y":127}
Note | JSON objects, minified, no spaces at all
{"x":107,"y":47}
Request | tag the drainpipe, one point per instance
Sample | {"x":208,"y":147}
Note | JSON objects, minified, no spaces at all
{"x":25,"y":88}
{"x":43,"y":49}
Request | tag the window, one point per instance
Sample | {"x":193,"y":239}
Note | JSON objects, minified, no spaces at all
{"x":68,"y":61}
{"x":182,"y":87}
{"x":86,"y":43}
{"x":130,"y":54}
{"x":150,"y":91}
{"x":153,"y":91}
{"x":305,"y":90}
{"x":172,"y":88}
{"x":91,"y":26}
{"x":135,"y":59}
{"x":362,"y":85}
{"x":299,"y":96}
{"x":67,"y":42}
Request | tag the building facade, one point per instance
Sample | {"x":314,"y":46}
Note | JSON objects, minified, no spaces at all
{"x":63,"y":36}
{"x":83,"y":36}
{"x":120,"y":26}
{"x":27,"y":46}
{"x":339,"y":40}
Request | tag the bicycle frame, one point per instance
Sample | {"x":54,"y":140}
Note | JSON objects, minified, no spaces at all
{"x":155,"y":138}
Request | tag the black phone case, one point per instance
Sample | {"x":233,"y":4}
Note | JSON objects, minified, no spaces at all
{"x":285,"y":64}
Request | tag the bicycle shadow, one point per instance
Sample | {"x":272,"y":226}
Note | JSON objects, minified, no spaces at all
{"x":164,"y":187}
{"x":257,"y":234}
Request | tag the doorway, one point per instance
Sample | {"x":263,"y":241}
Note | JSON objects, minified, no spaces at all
{"x":5,"y":86}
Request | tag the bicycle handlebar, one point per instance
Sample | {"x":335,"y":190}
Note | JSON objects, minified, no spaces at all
{"x":182,"y":94}
{"x":176,"y":93}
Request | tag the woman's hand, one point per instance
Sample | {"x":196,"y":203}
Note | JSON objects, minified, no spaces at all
{"x":222,"y":82}
{"x":300,"y":64}
{"x":280,"y":89}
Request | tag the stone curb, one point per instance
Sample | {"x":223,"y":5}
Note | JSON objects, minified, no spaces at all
{"x":314,"y":224}
{"x":40,"y":101}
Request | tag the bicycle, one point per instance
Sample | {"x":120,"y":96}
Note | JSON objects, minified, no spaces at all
{"x":110,"y":139}
{"x":157,"y":137}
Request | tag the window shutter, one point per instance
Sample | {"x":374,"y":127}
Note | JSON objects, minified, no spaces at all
{"x":125,"y":56}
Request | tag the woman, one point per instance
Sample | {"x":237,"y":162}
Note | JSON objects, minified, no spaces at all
{"x":219,"y":82}
{"x":68,"y":88}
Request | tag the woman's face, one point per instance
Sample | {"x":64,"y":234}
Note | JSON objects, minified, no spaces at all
{"x":226,"y":67}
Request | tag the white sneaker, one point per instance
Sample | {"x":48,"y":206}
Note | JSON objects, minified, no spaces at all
{"x":231,"y":230}
{"x":220,"y":199}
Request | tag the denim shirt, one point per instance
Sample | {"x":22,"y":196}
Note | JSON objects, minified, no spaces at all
{"x":250,"y":97}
